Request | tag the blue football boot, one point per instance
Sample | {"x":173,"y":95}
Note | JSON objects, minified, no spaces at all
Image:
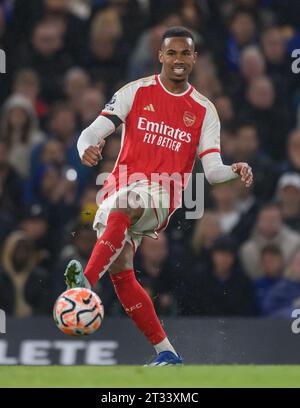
{"x":166,"y":358}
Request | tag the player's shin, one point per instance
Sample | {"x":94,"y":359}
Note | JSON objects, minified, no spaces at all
{"x":108,"y":247}
{"x":140,"y":309}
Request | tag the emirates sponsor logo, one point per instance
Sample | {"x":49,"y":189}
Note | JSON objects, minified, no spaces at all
{"x":189,"y":118}
{"x":164,"y":130}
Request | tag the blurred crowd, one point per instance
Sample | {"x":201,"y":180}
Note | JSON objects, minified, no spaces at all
{"x":65,"y":59}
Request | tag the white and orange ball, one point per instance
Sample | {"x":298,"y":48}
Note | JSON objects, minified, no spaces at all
{"x":78,"y":312}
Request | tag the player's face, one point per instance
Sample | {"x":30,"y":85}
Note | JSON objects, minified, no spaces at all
{"x":178,"y":57}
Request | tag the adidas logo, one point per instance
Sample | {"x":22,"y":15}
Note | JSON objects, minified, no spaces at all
{"x":149,"y":108}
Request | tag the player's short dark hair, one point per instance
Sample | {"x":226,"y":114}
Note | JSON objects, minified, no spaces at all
{"x":178,"y":31}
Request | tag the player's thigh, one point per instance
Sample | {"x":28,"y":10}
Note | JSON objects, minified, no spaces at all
{"x":124,"y":260}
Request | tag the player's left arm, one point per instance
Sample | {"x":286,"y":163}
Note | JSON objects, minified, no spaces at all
{"x":91,"y":140}
{"x":210,"y":153}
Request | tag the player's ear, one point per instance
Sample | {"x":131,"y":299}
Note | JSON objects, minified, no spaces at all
{"x":160,"y":56}
{"x":195,"y":56}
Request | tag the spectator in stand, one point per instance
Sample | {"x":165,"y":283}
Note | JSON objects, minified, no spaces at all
{"x":206,"y":232}
{"x":225,"y":206}
{"x":205,"y":76}
{"x":27,"y":14}
{"x":24,"y":287}
{"x":224,"y":107}
{"x":252,"y":65}
{"x":288,"y":197}
{"x":247,"y":149}
{"x":27,"y":83}
{"x":105,"y":58}
{"x":272,"y":119}
{"x":273,"y":45}
{"x":274,"y":48}
{"x":57,"y":192}
{"x":47,"y":56}
{"x":76,"y":81}
{"x":133,"y":15}
{"x":62,"y":126}
{"x":112,"y":147}
{"x":192,"y":15}
{"x":52,"y":153}
{"x":91,"y":103}
{"x":11,"y":193}
{"x":88,"y":205}
{"x":292,"y":162}
{"x":19,"y":130}
{"x":34,"y":223}
{"x":72,"y":26}
{"x":247,"y":205}
{"x":269,"y":229}
{"x":284,"y":297}
{"x":228,"y":143}
{"x":272,"y":265}
{"x":242,"y":32}
{"x":221,"y":289}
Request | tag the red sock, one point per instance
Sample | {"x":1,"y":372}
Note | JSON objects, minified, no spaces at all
{"x":138,"y":305}
{"x":108,"y":246}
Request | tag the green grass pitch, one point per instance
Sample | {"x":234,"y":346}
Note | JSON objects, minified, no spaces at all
{"x":132,"y":376}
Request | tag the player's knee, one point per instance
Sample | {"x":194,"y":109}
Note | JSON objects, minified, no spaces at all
{"x":131,"y":204}
{"x":124,"y":261}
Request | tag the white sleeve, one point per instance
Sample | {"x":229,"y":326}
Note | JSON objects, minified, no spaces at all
{"x":214,"y":169}
{"x":119,"y":105}
{"x":209,"y":149}
{"x":92,"y":135}
{"x":121,"y":102}
{"x":210,"y":133}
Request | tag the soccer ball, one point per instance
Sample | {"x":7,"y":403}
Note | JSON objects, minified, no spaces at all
{"x":78,"y":312}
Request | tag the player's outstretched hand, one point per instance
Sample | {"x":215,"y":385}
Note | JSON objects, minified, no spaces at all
{"x":244,"y":171}
{"x":92,"y":154}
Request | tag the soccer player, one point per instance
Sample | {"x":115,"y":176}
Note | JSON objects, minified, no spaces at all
{"x":166,"y":123}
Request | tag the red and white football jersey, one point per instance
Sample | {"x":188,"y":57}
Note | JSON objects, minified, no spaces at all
{"x":162,"y":132}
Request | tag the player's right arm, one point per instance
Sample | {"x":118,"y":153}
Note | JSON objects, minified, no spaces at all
{"x":91,"y":140}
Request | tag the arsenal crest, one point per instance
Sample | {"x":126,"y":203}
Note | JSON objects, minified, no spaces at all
{"x":189,"y":118}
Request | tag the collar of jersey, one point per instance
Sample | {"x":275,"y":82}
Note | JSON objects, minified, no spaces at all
{"x":171,"y":93}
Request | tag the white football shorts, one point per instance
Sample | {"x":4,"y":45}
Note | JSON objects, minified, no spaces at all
{"x":155,"y":200}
